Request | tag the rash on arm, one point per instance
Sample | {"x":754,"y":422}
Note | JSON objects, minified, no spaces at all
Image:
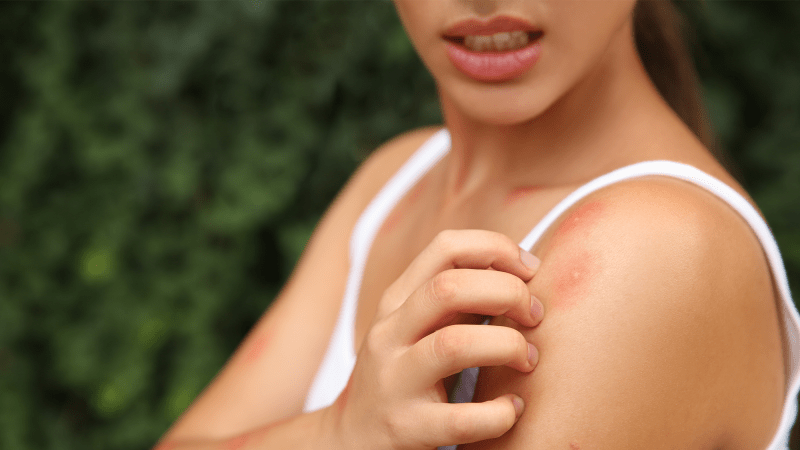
{"x":574,"y":262}
{"x":659,"y":319}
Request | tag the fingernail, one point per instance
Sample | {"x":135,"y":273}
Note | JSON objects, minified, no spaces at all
{"x":533,"y":355}
{"x":529,"y":260}
{"x":537,"y":309}
{"x":519,"y":404}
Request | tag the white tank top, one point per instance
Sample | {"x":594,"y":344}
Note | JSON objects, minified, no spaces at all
{"x":340,"y":358}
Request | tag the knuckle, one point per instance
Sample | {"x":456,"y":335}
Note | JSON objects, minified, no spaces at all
{"x":392,"y":428}
{"x":444,"y":287}
{"x":447,"y":345}
{"x":445,"y":240}
{"x":397,"y":428}
{"x":500,"y":241}
{"x":521,"y":291}
{"x":389,"y":301}
{"x":504,"y":241}
{"x":460,"y":426}
{"x":521,"y":345}
{"x":511,"y":291}
{"x":376,"y":339}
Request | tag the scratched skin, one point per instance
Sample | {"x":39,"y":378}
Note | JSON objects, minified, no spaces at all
{"x":397,"y":213}
{"x":257,"y":347}
{"x":520,"y":193}
{"x":565,"y":279}
{"x":237,"y":442}
{"x":576,"y":265}
{"x":572,"y":278}
{"x":578,"y":222}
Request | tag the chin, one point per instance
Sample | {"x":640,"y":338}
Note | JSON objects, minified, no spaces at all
{"x":499,"y":104}
{"x":502,"y":116}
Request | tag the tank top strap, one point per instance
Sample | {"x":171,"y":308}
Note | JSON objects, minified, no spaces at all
{"x":340,"y":357}
{"x":370,"y":221}
{"x":422,"y":160}
{"x":465,"y":385}
{"x":790,"y":318}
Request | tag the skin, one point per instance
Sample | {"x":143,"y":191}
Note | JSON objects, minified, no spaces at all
{"x":686,"y":333}
{"x":660,"y":322}
{"x":575,"y":275}
{"x":579,"y":222}
{"x":520,"y":193}
{"x":341,"y":402}
{"x":257,"y":347}
{"x":397,"y":215}
{"x":576,"y":265}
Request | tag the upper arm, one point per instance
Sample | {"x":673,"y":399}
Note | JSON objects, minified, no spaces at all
{"x":267,"y":377}
{"x":660,"y":329}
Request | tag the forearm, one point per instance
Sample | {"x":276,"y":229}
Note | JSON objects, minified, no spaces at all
{"x":305,"y":431}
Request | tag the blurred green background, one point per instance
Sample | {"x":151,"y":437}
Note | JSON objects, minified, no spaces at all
{"x":163,"y":163}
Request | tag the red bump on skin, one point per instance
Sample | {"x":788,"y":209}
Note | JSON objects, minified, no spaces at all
{"x":415,"y":193}
{"x":257,"y":347}
{"x":391,"y":221}
{"x":519,"y":193}
{"x":574,"y":446}
{"x":573,"y":275}
{"x":237,"y":442}
{"x":580,"y":219}
{"x":397,"y":213}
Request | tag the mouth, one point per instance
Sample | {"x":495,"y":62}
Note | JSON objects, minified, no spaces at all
{"x":499,"y":34}
{"x":503,"y":41}
{"x":493,"y":51}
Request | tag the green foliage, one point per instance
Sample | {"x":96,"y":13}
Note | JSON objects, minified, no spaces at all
{"x":162,"y":165}
{"x":749,"y":59}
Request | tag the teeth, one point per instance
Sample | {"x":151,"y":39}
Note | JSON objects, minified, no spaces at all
{"x":479,"y":43}
{"x":497,"y":42}
{"x":502,"y":41}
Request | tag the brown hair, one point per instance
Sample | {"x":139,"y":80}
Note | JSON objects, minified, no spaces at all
{"x":659,"y":33}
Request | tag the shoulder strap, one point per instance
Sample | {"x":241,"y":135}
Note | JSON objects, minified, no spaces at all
{"x":340,"y":357}
{"x":790,"y":317}
{"x":367,"y":226}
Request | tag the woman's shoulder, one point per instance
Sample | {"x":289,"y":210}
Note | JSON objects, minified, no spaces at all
{"x":370,"y":176}
{"x":660,"y":321}
{"x":385,"y":160}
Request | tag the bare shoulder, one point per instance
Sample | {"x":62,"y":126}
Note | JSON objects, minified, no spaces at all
{"x":384,"y":161}
{"x":327,"y":246}
{"x":660,"y":331}
{"x":268,"y":377}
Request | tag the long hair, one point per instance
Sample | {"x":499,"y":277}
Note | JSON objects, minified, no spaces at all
{"x":659,"y":33}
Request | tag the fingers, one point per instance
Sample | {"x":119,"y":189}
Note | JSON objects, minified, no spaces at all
{"x":470,"y":249}
{"x":457,"y":347}
{"x":486,"y":292}
{"x":463,"y":423}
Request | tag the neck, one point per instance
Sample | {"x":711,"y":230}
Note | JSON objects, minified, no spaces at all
{"x":592,"y":129}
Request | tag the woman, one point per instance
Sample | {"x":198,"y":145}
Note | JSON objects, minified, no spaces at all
{"x":660,"y":306}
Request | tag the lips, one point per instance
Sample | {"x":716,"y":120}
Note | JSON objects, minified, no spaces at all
{"x":494,"y":65}
{"x":482,"y":27}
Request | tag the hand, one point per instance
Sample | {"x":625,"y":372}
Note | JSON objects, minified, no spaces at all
{"x":425,"y":330}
